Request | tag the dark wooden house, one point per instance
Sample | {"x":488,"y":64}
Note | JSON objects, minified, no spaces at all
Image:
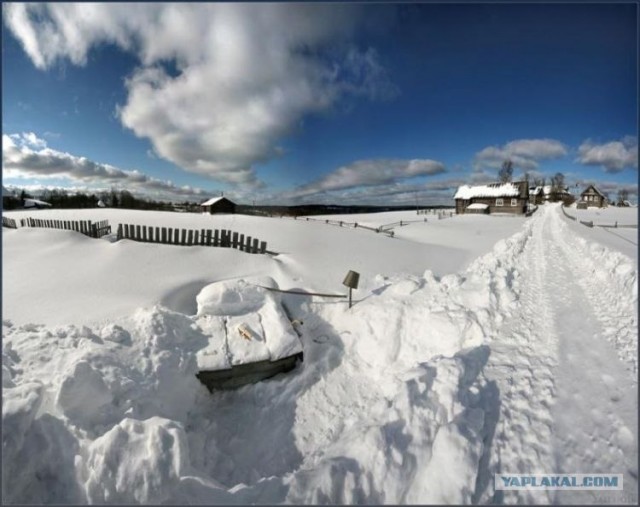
{"x":593,"y":197}
{"x":493,"y":198}
{"x":536,"y":195}
{"x":218,"y":205}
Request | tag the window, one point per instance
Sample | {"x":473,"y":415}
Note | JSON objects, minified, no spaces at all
{"x":514,"y":202}
{"x":499,"y":201}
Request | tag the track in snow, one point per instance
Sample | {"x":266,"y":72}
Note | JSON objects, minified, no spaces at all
{"x":568,"y":404}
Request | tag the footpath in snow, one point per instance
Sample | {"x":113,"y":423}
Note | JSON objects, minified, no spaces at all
{"x":525,"y":362}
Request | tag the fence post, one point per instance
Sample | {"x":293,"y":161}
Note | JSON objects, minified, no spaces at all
{"x":144,"y":233}
{"x":255,"y":246}
{"x":190,"y":238}
{"x":235,"y":240}
{"x":202,"y":237}
{"x":263,"y":247}
{"x":215,"y":238}
{"x":119,"y":235}
{"x":164,"y":235}
{"x":94,"y":231}
{"x":184,"y":237}
{"x":138,"y":234}
{"x":209,"y":237}
{"x":241,"y":243}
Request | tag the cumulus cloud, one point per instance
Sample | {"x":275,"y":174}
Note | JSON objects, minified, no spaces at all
{"x":613,"y":156}
{"x":27,"y":156}
{"x":219,"y":85}
{"x":524,"y":153}
{"x":365,"y":173}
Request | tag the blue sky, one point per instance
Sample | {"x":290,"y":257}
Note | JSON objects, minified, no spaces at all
{"x":327,"y":103}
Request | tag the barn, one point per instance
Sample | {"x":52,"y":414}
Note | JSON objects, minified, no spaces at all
{"x":493,"y":198}
{"x":593,"y":197}
{"x":218,"y":205}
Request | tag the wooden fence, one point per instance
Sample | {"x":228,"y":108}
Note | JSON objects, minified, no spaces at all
{"x":191,"y":237}
{"x":589,"y":223}
{"x":9,"y":222}
{"x":86,"y":227}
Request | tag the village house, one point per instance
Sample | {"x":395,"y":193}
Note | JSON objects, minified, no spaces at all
{"x":511,"y":197}
{"x":536,"y":195}
{"x":218,"y":205}
{"x":592,"y":197}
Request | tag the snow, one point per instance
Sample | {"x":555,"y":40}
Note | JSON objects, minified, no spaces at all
{"x":517,"y":356}
{"x":496,"y":190}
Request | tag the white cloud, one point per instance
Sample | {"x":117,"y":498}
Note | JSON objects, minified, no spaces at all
{"x":524,"y":153}
{"x":363,"y":173}
{"x":243,"y":76}
{"x":613,"y":156}
{"x":27,"y":156}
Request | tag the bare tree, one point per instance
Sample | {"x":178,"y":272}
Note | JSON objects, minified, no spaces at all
{"x":623,"y":195}
{"x":506,"y":172}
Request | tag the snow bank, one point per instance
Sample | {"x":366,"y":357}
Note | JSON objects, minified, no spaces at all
{"x":389,"y":399}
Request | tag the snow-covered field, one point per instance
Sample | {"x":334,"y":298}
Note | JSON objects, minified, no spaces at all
{"x":606,"y":216}
{"x":476,"y":345}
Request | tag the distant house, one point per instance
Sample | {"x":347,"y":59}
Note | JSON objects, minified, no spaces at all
{"x":218,"y":205}
{"x":493,"y":198}
{"x":555,"y":195}
{"x":593,"y":197}
{"x":101,"y":204}
{"x":35,"y":204}
{"x":536,"y":195}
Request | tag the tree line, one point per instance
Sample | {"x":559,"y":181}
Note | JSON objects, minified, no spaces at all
{"x":60,"y":198}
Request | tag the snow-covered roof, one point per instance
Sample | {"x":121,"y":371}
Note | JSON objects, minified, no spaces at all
{"x":477,"y":205}
{"x":492,"y":190}
{"x":212,"y":201}
{"x":535,"y":191}
{"x":34,"y":202}
{"x":595,"y":189}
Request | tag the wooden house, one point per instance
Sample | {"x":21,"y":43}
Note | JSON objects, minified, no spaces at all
{"x":593,"y":197}
{"x":536,"y":195}
{"x":493,"y":198}
{"x":218,"y":205}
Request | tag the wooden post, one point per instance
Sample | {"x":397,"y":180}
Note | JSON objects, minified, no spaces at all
{"x":119,"y":235}
{"x":241,"y":243}
{"x":255,"y":246}
{"x":209,"y":237}
{"x":215,"y":238}
{"x":184,"y":237}
{"x":164,"y":235}
{"x":263,"y":247}
{"x":138,"y":234}
{"x":202,"y":238}
{"x":94,"y":230}
{"x":247,"y":247}
{"x":144,"y":233}
{"x":190,"y":238}
{"x":235,"y":240}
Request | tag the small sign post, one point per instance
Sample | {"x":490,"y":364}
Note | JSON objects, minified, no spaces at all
{"x":351,"y":281}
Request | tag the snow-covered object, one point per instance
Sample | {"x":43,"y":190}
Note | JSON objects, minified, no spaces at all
{"x":101,"y":204}
{"x":35,"y":203}
{"x":477,"y":205}
{"x":495,"y":190}
{"x":247,"y":324}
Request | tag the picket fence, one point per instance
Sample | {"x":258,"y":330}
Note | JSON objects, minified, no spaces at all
{"x":9,"y":222}
{"x":86,"y":227}
{"x":191,"y":237}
